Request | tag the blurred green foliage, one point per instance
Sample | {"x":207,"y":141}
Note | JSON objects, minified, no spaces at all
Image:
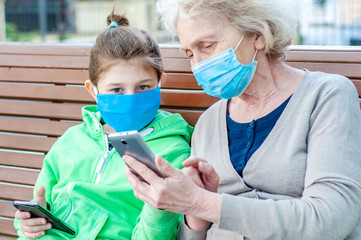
{"x":13,"y":34}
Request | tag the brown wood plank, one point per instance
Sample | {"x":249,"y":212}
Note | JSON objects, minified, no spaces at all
{"x":324,"y":56}
{"x":171,"y":51}
{"x":180,"y":81}
{"x":18,"y":175}
{"x":26,"y":143}
{"x":16,"y":192}
{"x":357,"y":83}
{"x":34,"y":126}
{"x":21,"y":159}
{"x":7,"y":209}
{"x":3,"y":237}
{"x":45,"y":92}
{"x":191,"y":116}
{"x":7,"y":227}
{"x":45,"y":49}
{"x":173,"y":65}
{"x":41,"y":109}
{"x":192,"y":99}
{"x":346,"y":69}
{"x":43,"y":75}
{"x":51,"y":61}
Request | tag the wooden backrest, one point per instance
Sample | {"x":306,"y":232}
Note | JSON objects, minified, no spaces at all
{"x":41,"y":95}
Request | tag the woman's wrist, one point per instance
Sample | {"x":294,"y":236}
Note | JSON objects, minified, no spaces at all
{"x":208,"y":206}
{"x":195,"y":223}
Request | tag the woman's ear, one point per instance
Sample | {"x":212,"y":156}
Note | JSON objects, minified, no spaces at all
{"x":259,"y":42}
{"x":89,"y":86}
{"x":162,"y":79}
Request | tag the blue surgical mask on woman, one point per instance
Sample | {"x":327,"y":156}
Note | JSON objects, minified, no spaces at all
{"x":129,"y":112}
{"x":223,"y":75}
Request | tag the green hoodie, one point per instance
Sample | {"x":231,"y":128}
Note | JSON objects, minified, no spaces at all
{"x":86,"y":185}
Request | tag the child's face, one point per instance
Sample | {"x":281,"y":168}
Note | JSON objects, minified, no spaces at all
{"x":127,"y":78}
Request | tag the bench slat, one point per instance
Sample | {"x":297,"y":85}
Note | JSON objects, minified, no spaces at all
{"x":45,"y":92}
{"x":7,"y":227}
{"x":43,"y":75}
{"x":50,"y":110}
{"x":323,"y":56}
{"x":21,"y":159}
{"x":18,"y":175}
{"x":191,"y":116}
{"x":346,"y":69}
{"x":44,"y":49}
{"x":357,"y":83}
{"x":350,"y":70}
{"x":15,"y":192}
{"x":51,"y":61}
{"x":180,"y":81}
{"x":7,"y":209}
{"x":197,"y":99}
{"x":26,"y":143}
{"x":76,"y":76}
{"x":34,"y":126}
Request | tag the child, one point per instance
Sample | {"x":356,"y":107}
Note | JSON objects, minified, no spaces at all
{"x":83,"y":180}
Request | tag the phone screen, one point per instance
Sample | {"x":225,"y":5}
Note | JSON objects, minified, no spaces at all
{"x":37,"y":211}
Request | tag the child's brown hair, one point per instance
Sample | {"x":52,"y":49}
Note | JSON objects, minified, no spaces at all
{"x":123,"y":43}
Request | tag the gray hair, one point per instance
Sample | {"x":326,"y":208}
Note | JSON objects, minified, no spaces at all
{"x":274,"y":20}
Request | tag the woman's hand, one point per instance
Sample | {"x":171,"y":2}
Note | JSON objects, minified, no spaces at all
{"x":204,"y":175}
{"x":34,"y":227}
{"x":176,"y":192}
{"x":207,"y":174}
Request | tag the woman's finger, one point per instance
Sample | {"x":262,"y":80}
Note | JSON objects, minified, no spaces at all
{"x":142,"y":170}
{"x":193,"y":174}
{"x":165,"y":167}
{"x":208,"y":170}
{"x":139,"y":186}
{"x":192,"y":161}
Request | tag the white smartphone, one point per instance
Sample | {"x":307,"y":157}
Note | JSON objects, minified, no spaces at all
{"x":131,"y":143}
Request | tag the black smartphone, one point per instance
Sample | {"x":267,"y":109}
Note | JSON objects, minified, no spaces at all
{"x":131,"y":143}
{"x":38,"y":211}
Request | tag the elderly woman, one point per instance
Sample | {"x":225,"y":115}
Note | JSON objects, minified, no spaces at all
{"x":284,"y":142}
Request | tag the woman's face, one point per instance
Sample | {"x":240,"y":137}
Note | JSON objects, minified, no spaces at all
{"x":127,"y":78}
{"x":202,"y":37}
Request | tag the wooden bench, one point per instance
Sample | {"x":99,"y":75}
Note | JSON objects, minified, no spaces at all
{"x":41,"y":94}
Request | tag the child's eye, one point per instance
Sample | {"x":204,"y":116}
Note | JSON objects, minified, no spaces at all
{"x":117,"y":90}
{"x":142,"y":87}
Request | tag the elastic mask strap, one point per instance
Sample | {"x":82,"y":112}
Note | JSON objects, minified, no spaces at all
{"x":239,"y":43}
{"x":255,"y":55}
{"x":95,"y":89}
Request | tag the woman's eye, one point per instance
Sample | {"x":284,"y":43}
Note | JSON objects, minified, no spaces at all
{"x":209,"y":46}
{"x":142,"y":88}
{"x":189,"y":54}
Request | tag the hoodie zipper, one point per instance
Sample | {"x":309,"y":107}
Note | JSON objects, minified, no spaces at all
{"x":101,"y":164}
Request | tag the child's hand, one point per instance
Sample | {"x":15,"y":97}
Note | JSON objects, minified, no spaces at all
{"x":34,"y":227}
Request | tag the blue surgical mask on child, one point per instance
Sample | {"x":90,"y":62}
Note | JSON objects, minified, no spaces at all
{"x":129,"y":112}
{"x":223,"y":75}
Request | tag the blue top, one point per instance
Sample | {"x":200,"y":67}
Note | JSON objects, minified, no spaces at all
{"x":245,"y":138}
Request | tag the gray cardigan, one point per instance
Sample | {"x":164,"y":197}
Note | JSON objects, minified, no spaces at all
{"x":304,"y":182}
